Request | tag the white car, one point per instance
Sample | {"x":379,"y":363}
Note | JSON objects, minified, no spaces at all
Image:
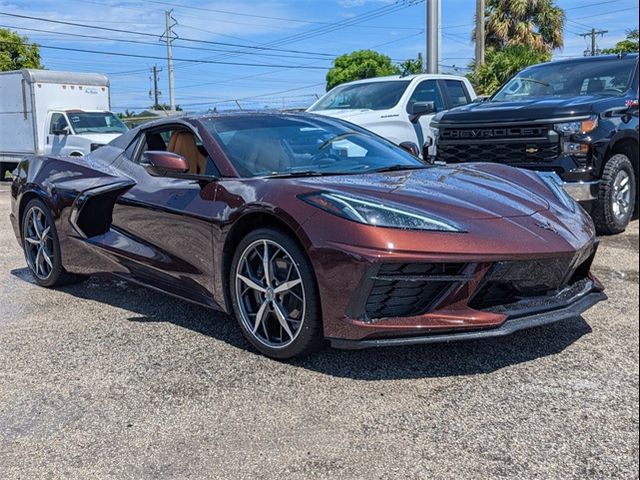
{"x":397,"y":108}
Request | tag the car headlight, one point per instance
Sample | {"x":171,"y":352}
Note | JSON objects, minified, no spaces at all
{"x":555,"y":184}
{"x":580,"y":126}
{"x":371,"y":212}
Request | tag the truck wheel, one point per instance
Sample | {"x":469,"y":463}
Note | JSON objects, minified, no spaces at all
{"x":616,"y":197}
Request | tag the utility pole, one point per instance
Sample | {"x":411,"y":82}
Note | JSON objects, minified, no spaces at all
{"x":168,"y":33}
{"x":479,"y":32}
{"x":154,"y":72}
{"x":433,"y":35}
{"x":593,"y":33}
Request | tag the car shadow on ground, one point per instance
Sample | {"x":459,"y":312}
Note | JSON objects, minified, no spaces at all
{"x":389,"y":363}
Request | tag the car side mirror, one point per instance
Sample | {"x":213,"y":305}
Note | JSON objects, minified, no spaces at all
{"x":164,"y":164}
{"x":410,"y":147}
{"x":418,"y":109}
{"x":481,"y":98}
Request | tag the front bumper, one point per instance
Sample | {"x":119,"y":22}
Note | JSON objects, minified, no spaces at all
{"x":582,"y":191}
{"x":520,"y":321}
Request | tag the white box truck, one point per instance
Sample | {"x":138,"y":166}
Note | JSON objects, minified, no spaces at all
{"x":47,"y":112}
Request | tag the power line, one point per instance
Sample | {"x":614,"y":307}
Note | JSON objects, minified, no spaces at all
{"x":74,"y":24}
{"x":142,"y":42}
{"x":375,"y":13}
{"x":268,"y":17}
{"x":152,"y":57}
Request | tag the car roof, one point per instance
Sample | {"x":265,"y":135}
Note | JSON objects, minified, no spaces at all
{"x":401,"y":78}
{"x":597,"y":58}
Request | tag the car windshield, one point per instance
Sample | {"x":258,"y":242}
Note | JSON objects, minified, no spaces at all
{"x":369,"y":95}
{"x":610,"y":77}
{"x":289,"y":145}
{"x":95,"y":122}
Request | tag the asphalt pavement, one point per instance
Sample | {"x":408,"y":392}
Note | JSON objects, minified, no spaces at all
{"x":109,"y":380}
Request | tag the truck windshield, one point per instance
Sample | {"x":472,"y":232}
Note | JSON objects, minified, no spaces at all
{"x":95,"y":122}
{"x":370,"y":95}
{"x":610,"y":77}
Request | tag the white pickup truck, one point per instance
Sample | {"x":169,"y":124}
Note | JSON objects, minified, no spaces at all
{"x":397,"y":108}
{"x":47,"y":112}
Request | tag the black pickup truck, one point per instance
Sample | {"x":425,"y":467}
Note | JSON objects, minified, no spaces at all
{"x":578,"y":118}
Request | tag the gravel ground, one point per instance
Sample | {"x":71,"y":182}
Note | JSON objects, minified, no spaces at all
{"x":110,"y":380}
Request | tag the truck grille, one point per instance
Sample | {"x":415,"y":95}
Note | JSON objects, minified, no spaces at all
{"x":520,"y":145}
{"x":508,"y":153}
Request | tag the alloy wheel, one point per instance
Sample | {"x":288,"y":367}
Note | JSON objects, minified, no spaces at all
{"x":38,"y":243}
{"x":621,"y":195}
{"x":270,"y":293}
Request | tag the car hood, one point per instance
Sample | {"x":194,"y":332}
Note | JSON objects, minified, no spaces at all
{"x":355,"y":115}
{"x":534,"y":109}
{"x":472,"y":191}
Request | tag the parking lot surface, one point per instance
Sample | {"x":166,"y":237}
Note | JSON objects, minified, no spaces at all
{"x":109,"y":380}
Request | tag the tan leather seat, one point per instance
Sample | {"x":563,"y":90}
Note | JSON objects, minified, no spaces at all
{"x":258,"y":155}
{"x":184,"y":143}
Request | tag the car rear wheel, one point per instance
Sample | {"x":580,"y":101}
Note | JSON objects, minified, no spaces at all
{"x":274,"y":295}
{"x":42,"y":247}
{"x":616,"y":197}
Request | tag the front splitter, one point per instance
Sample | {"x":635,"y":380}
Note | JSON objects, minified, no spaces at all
{"x":511,"y":325}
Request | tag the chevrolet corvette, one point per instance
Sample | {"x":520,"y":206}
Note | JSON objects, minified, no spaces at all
{"x":310,"y":230}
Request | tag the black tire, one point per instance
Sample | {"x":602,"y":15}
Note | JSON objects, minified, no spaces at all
{"x":57,"y":275}
{"x":308,"y":336}
{"x":604,"y":214}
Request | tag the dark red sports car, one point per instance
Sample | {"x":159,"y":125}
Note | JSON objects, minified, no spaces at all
{"x":308,"y":229}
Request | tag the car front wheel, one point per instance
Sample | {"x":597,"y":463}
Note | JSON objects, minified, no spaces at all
{"x":274,"y":295}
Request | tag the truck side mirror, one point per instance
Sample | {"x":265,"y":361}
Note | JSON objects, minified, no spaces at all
{"x":418,"y":109}
{"x":164,"y":164}
{"x":62,"y":130}
{"x":410,"y":147}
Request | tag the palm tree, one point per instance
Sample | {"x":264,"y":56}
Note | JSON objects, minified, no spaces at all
{"x":536,"y":23}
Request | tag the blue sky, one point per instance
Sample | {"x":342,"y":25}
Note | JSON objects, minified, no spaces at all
{"x":296,"y":40}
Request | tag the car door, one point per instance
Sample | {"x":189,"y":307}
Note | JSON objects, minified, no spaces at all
{"x":56,"y":133}
{"x":426,"y":91}
{"x":167,"y":222}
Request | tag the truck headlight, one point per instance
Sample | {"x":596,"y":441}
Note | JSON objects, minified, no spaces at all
{"x":577,"y":127}
{"x":371,"y":212}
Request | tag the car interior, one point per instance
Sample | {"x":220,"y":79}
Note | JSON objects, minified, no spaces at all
{"x":180,"y":142}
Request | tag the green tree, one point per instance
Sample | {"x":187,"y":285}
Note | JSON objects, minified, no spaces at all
{"x":536,"y":23}
{"x":358,"y":65}
{"x":16,"y":52}
{"x":412,"y":66}
{"x":501,"y":64}
{"x":165,"y":107}
{"x":630,"y":44}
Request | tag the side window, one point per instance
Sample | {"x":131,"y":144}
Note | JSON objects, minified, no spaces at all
{"x":456,"y":93}
{"x":58,"y":122}
{"x":130,"y":151}
{"x":427,"y":91}
{"x":182,"y":142}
